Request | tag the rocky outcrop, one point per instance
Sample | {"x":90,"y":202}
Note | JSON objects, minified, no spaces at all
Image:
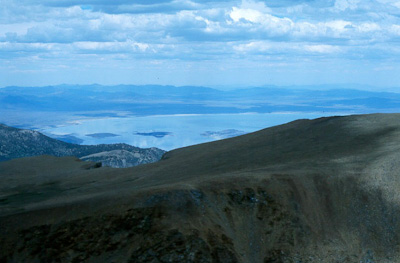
{"x":124,"y":158}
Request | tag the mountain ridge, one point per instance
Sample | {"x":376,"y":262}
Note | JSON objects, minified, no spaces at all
{"x":17,"y":143}
{"x":322,"y":190}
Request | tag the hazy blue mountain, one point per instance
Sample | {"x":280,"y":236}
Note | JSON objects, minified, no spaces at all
{"x":95,"y":100}
{"x":172,"y":99}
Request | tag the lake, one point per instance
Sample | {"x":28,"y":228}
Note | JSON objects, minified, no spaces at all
{"x":169,"y":132}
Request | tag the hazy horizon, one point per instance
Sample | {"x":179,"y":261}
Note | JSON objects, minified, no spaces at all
{"x":320,"y":87}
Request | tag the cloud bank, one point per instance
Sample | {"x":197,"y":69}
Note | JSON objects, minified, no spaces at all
{"x":200,"y":42}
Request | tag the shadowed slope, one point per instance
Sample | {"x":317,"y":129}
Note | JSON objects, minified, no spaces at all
{"x":305,"y":142}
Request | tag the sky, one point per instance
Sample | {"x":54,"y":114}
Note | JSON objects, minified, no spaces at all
{"x":192,"y":42}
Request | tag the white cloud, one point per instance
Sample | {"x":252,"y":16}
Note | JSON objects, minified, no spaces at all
{"x":322,"y":48}
{"x":342,"y":5}
{"x":198,"y":31}
{"x":128,"y":47}
{"x":338,"y":26}
{"x":266,"y":23}
{"x":8,"y":46}
{"x":250,"y":15}
{"x":395,"y":29}
{"x":258,"y":46}
{"x":395,"y":3}
{"x":368,"y":27}
{"x":298,"y":49}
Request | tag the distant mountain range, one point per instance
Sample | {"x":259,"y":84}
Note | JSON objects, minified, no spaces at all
{"x":16,"y":143}
{"x":25,"y":107}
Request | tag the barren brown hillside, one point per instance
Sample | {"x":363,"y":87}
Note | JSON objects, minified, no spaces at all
{"x":324,"y":190}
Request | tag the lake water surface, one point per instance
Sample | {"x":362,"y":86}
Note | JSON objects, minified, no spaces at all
{"x":173,"y":131}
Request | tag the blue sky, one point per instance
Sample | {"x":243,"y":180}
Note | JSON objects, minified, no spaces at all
{"x":192,"y":42}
